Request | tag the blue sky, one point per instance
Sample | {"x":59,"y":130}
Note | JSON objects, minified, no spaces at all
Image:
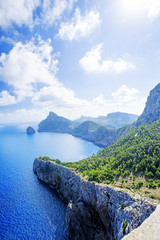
{"x":77,"y":57}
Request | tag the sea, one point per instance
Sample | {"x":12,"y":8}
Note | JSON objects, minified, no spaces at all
{"x":30,"y":209}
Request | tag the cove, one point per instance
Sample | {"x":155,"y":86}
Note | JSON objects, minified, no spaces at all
{"x":30,"y":209}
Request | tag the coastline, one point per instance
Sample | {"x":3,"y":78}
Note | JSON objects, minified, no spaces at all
{"x":94,"y":210}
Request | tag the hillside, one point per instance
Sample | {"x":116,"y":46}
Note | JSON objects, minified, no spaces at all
{"x":112,"y":120}
{"x":132,"y":161}
{"x":101,"y":135}
{"x":88,"y":130}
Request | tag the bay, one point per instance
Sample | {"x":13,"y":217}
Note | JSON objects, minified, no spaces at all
{"x":30,"y":209}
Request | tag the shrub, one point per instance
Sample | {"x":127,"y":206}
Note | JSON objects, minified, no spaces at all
{"x":122,"y":205}
{"x":139,"y":184}
{"x":125,"y":224}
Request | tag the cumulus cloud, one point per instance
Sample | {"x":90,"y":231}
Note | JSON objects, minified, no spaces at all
{"x":125,"y":94}
{"x":79,"y":26}
{"x":23,"y":115}
{"x":17,"y":11}
{"x":7,"y":99}
{"x":26,"y":65}
{"x":53,"y":10}
{"x":64,"y":102}
{"x":92,"y":62}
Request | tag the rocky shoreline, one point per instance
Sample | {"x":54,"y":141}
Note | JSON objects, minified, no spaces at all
{"x":94,"y":211}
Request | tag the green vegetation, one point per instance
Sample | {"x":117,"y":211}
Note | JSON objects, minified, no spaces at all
{"x":133,"y":161}
{"x":136,"y":154}
{"x":122,"y":205}
{"x":125,"y":224}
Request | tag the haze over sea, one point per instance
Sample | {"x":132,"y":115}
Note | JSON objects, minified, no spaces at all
{"x":29,"y":209}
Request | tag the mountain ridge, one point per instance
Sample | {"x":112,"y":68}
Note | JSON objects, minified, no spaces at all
{"x":99,"y":134}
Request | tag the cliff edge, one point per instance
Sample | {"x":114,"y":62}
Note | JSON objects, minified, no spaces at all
{"x":94,"y":211}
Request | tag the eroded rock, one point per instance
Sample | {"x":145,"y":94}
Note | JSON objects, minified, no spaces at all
{"x":94,"y":210}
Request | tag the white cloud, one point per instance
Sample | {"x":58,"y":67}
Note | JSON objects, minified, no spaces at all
{"x":23,"y":115}
{"x":17,"y":11}
{"x":57,"y":96}
{"x":79,"y":26}
{"x":6,"y":99}
{"x":92,"y":62}
{"x":53,"y":10}
{"x":7,"y":40}
{"x":64,"y":102}
{"x":27,"y":65}
{"x":153,"y":8}
{"x":125,"y":94}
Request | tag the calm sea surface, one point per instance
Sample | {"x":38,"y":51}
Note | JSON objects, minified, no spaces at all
{"x":28,"y":208}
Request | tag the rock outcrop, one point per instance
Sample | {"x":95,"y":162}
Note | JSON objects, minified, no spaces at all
{"x":149,"y":230}
{"x":152,"y":109}
{"x":94,"y":211}
{"x":30,"y":130}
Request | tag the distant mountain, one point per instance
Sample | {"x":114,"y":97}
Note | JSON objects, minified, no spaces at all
{"x":55,"y":123}
{"x":112,"y":120}
{"x":152,"y":108}
{"x":87,"y":130}
{"x":95,"y":131}
{"x":120,"y":119}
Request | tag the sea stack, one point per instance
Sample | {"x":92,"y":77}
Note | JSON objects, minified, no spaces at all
{"x":30,"y":130}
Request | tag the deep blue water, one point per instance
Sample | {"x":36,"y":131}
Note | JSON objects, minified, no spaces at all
{"x":28,"y":208}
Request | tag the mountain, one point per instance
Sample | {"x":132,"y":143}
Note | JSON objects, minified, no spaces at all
{"x":101,"y":135}
{"x":55,"y":123}
{"x":120,"y":119}
{"x":112,"y":120}
{"x":152,"y":108}
{"x":132,"y":161}
{"x":95,"y":133}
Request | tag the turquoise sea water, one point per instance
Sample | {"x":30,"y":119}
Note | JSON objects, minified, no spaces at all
{"x":29,"y":209}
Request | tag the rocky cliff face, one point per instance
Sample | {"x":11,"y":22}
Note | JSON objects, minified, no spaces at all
{"x":94,"y":211}
{"x":152,"y":109}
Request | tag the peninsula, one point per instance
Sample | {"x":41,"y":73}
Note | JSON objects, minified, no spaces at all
{"x":112,"y":193}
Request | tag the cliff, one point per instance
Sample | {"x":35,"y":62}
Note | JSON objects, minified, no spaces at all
{"x":94,"y":211}
{"x":152,"y":108}
{"x":149,"y":230}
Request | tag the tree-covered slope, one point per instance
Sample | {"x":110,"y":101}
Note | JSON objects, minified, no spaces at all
{"x":132,"y":161}
{"x":138,"y":152}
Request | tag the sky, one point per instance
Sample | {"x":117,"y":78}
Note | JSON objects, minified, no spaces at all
{"x":77,"y":57}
